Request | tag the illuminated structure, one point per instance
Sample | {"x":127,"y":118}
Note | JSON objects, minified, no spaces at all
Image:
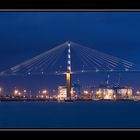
{"x":86,"y":95}
{"x":68,"y":73}
{"x":124,"y":92}
{"x":113,"y":93}
{"x":105,"y":93}
{"x":108,"y":94}
{"x":62,"y":93}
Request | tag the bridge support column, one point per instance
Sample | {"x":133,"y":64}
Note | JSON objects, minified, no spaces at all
{"x":68,"y":80}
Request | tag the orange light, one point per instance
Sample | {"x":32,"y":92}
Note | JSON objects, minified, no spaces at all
{"x":16,"y":92}
{"x":19,"y":93}
{"x":68,"y":75}
{"x":44,"y":91}
{"x":0,"y":89}
{"x":85,"y":92}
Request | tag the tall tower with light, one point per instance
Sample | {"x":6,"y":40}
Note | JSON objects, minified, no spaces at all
{"x":68,"y":73}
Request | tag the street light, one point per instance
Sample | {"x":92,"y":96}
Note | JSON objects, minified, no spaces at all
{"x":86,"y":92}
{"x":0,"y":90}
{"x":15,"y":92}
{"x":138,"y":92}
{"x":44,"y":91}
{"x":24,"y":91}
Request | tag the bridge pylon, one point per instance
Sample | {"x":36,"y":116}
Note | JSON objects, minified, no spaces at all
{"x":68,"y":73}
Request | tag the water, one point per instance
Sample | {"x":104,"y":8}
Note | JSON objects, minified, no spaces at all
{"x":96,"y":114}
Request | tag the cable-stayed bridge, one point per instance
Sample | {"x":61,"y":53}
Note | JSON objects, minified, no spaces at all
{"x":71,"y":58}
{"x":82,"y":59}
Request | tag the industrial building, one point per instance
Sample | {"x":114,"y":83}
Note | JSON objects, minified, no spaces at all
{"x":113,"y":93}
{"x":62,"y":93}
{"x":123,"y":92}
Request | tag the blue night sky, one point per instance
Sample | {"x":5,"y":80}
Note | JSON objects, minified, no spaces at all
{"x":27,"y":34}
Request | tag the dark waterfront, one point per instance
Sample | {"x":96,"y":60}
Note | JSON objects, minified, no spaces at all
{"x":92,"y":114}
